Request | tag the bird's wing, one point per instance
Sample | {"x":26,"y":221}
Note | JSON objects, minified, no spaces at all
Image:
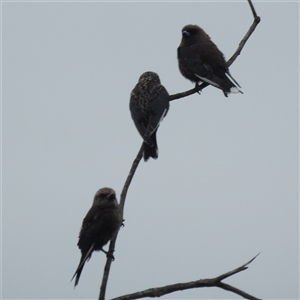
{"x":91,"y":218}
{"x":159,"y":107}
{"x":198,"y":67}
{"x":202,"y":70}
{"x":191,"y":59}
{"x":205,"y":61}
{"x":217,"y":72}
{"x":137,"y":118}
{"x":97,"y":227}
{"x":92,"y":224}
{"x":207,"y":80}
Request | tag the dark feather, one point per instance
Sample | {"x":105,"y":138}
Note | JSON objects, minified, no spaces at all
{"x":99,"y":226}
{"x":149,"y":104}
{"x":200,"y":60}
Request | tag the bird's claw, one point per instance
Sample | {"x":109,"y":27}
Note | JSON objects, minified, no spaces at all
{"x":197,"y":88}
{"x":109,"y":254}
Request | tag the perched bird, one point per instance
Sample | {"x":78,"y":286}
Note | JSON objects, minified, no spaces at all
{"x":149,"y":104}
{"x":99,"y":226}
{"x":200,"y":60}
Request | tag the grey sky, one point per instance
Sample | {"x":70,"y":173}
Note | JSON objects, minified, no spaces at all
{"x":225,"y":185}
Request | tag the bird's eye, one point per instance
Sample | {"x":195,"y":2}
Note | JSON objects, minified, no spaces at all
{"x":186,"y":33}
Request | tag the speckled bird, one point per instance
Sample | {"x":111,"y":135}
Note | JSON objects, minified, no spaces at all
{"x":200,"y":60}
{"x":99,"y":226}
{"x":149,"y":104}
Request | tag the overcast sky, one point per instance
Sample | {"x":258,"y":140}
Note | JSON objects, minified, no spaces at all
{"x":225,"y":185}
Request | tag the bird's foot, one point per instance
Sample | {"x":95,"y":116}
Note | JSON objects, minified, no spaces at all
{"x":109,"y":254}
{"x":197,"y":87}
{"x":122,"y":224}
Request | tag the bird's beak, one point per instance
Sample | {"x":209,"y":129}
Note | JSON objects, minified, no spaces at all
{"x":186,"y":33}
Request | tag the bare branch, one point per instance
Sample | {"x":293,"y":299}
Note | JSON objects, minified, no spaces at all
{"x":229,"y":62}
{"x":237,"y":270}
{"x":130,"y":176}
{"x":122,"y":203}
{"x":212,"y":282}
{"x":189,"y":92}
{"x":156,"y":292}
{"x":234,"y":290}
{"x":246,"y":37}
{"x":253,"y":10}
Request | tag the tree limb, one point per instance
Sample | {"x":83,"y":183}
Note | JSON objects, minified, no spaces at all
{"x":122,"y":203}
{"x":211,"y":282}
{"x":181,"y":286}
{"x":229,"y":62}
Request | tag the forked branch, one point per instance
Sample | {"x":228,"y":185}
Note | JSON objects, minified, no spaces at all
{"x":212,"y":282}
{"x":203,"y":282}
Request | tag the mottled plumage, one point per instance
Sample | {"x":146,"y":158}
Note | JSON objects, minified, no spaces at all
{"x":200,"y":60}
{"x":99,"y":226}
{"x":149,"y":104}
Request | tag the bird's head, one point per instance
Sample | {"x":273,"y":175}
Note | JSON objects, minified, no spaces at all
{"x":193,"y":33}
{"x":105,"y":194}
{"x":149,"y":76}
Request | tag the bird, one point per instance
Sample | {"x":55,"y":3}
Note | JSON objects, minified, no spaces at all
{"x":149,"y":104}
{"x":99,"y":226}
{"x":200,"y":60}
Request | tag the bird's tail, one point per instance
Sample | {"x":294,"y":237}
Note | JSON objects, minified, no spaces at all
{"x":77,"y":273}
{"x":79,"y":269}
{"x":227,"y":83}
{"x":151,"y":151}
{"x":235,"y":87}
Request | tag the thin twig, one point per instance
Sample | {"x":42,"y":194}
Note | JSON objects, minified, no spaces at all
{"x":211,"y":282}
{"x":122,"y":204}
{"x":229,"y":62}
{"x":234,"y":290}
{"x":253,"y":9}
{"x":239,"y":269}
{"x":246,"y":37}
{"x":130,"y":176}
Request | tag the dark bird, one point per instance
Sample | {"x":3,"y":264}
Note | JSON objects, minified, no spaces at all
{"x":149,"y":104}
{"x":99,"y":226}
{"x":200,"y":60}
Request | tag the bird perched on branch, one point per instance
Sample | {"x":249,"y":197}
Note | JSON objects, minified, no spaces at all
{"x":200,"y":60}
{"x":99,"y":226}
{"x":149,"y":104}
